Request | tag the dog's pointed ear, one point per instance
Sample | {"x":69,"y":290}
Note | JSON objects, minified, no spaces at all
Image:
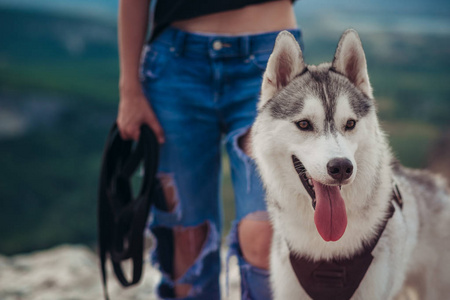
{"x":285,"y":62}
{"x":350,"y":61}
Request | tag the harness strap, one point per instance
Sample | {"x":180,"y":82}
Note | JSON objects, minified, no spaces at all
{"x":339,"y":279}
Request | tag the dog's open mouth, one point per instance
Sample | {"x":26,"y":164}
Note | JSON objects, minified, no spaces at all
{"x":330,"y":215}
{"x":305,"y":179}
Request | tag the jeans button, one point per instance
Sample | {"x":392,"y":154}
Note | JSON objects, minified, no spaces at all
{"x":217,"y":45}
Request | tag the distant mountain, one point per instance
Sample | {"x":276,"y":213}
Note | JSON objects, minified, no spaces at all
{"x":54,"y":36}
{"x":386,"y":6}
{"x":95,"y":8}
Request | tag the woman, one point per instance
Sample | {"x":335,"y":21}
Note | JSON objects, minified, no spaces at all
{"x":199,"y":81}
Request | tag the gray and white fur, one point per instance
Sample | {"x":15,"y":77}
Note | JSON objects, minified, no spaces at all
{"x":414,"y":250}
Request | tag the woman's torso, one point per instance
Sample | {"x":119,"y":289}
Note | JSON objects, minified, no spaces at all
{"x":264,"y":17}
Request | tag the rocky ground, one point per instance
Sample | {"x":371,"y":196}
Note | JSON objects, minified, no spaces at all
{"x":71,"y":272}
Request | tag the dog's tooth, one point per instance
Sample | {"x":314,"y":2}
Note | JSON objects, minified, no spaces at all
{"x":310,"y":182}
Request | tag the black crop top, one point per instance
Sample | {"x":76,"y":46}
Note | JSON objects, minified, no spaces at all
{"x":168,"y":11}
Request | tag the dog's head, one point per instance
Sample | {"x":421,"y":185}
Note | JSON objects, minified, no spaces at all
{"x":316,"y":120}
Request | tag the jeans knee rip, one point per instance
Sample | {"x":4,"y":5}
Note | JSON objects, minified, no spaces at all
{"x":170,"y":191}
{"x":162,"y":258}
{"x":260,"y":215}
{"x":234,"y":138}
{"x":168,"y":213}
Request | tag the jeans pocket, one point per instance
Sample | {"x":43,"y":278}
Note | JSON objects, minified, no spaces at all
{"x":154,"y":63}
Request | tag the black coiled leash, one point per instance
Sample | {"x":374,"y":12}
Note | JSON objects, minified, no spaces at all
{"x":121,"y":216}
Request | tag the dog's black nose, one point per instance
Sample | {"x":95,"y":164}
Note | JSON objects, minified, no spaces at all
{"x":340,"y":168}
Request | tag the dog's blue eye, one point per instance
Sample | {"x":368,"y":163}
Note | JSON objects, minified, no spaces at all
{"x":304,"y":125}
{"x":350,"y":124}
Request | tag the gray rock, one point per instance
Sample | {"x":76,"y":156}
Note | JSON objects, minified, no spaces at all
{"x":71,"y":272}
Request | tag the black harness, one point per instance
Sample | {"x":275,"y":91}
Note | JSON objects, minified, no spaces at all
{"x":121,"y":216}
{"x":339,"y":279}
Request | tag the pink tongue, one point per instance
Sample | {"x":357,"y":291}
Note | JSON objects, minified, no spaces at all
{"x":330,"y":216}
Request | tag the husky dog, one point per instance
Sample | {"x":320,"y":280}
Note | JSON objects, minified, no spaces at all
{"x":329,"y":172}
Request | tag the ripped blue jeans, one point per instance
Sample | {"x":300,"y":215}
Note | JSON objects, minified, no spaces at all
{"x":204,"y":90}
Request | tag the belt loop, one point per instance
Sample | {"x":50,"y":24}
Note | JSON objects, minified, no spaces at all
{"x":245,"y":45}
{"x":180,"y":37}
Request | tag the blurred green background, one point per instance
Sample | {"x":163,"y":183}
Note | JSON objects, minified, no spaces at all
{"x":58,"y":97}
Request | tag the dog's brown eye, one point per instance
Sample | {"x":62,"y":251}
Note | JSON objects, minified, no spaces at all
{"x":304,"y":125}
{"x":350,"y":124}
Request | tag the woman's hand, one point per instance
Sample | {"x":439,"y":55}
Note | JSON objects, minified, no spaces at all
{"x":134,"y":110}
